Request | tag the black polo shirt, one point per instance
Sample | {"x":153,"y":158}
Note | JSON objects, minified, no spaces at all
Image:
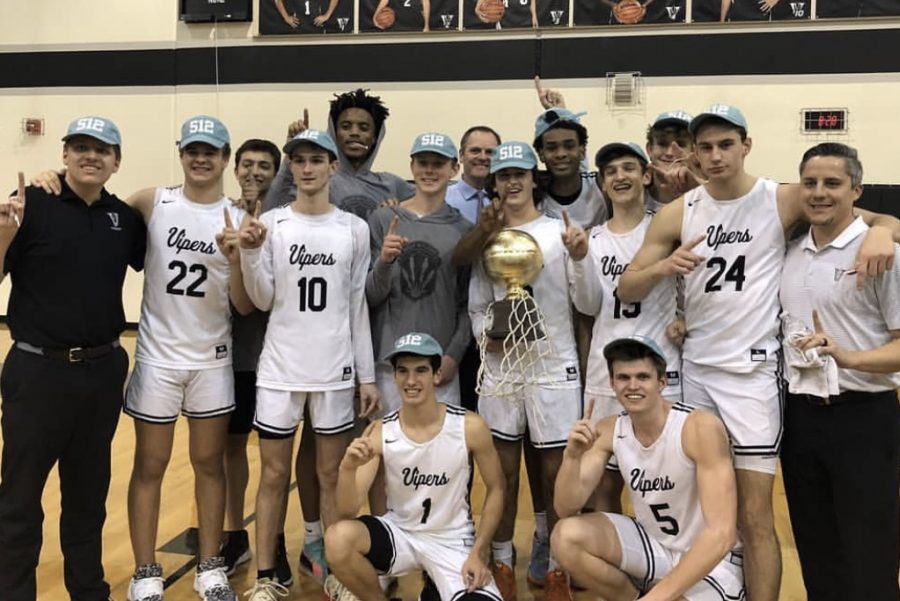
{"x":67,"y":264}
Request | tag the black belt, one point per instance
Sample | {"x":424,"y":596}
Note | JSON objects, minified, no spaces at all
{"x":70,"y":355}
{"x":855,"y":396}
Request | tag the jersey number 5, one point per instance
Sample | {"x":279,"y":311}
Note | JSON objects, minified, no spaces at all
{"x":667,"y":522}
{"x":181,"y":271}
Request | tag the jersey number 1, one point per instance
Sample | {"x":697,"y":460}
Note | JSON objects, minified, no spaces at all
{"x":426,"y":509}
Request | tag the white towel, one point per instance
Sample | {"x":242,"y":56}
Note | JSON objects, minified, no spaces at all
{"x":807,"y":371}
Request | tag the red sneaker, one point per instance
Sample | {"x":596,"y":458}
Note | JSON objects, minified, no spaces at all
{"x":505,"y":579}
{"x":556,"y":586}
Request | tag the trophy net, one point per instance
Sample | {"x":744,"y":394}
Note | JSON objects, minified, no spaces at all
{"x":526,"y":349}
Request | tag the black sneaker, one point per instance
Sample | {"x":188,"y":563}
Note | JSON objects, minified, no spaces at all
{"x":283,"y":573}
{"x":429,"y":590}
{"x":235,"y":550}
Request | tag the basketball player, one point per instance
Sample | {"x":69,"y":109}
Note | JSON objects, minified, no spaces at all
{"x":841,"y":450}
{"x":255,"y":163}
{"x":63,"y":377}
{"x":730,"y":365}
{"x":681,"y":483}
{"x":183,"y":358}
{"x":413,"y":285}
{"x":409,"y":15}
{"x":312,"y":17}
{"x":356,"y":124}
{"x":518,"y":14}
{"x":307,"y":264}
{"x":669,"y":143}
{"x":550,"y":405}
{"x":424,"y":449}
{"x":623,"y":169}
{"x":561,"y":143}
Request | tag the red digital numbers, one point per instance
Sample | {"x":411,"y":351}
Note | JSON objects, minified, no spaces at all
{"x":828,"y":120}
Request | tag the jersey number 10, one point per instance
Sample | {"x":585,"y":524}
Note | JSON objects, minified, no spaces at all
{"x":313,"y":294}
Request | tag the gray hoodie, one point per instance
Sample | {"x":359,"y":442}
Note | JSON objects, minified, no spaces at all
{"x":421,"y":291}
{"x":357,"y":191}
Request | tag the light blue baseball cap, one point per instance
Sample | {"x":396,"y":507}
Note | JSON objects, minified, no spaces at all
{"x":678,"y":118}
{"x":551,"y":117}
{"x":416,"y":343}
{"x":311,"y":136}
{"x":724,"y":112}
{"x":630,"y":148}
{"x":513,"y":154}
{"x":441,"y":144}
{"x":99,"y":128}
{"x":634,"y":339}
{"x":206,"y":129}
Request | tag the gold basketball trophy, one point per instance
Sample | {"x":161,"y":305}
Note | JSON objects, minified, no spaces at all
{"x":513,"y":258}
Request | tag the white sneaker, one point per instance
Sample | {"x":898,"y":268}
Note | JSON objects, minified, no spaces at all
{"x":212,"y":585}
{"x":266,"y":589}
{"x":337,"y":591}
{"x":145,"y":589}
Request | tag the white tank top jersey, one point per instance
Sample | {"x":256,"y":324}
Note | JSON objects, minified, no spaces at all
{"x":609,"y":255}
{"x":731,"y":300}
{"x":551,"y":294}
{"x":661,"y":481}
{"x":588,"y":210}
{"x":311,"y":273}
{"x":185,"y":312}
{"x":427,"y":483}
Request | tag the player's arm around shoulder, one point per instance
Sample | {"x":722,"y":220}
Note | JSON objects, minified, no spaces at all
{"x":357,"y":471}
{"x":650,"y":264}
{"x":481,"y":446}
{"x":587,"y":452}
{"x":142,"y":201}
{"x":705,"y":442}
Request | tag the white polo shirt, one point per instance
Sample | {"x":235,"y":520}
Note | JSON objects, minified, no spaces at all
{"x":823,"y":279}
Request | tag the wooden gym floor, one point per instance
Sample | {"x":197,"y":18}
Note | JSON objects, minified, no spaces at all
{"x":178,"y":514}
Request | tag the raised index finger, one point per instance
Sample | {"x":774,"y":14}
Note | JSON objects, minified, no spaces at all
{"x":21,"y":193}
{"x":537,"y":84}
{"x":695,"y":242}
{"x":590,"y":409}
{"x":256,"y":210}
{"x":228,"y":223}
{"x":306,"y":117}
{"x":392,"y":228}
{"x":566,"y":220}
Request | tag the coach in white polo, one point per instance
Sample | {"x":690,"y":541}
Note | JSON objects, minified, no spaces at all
{"x":841,"y":448}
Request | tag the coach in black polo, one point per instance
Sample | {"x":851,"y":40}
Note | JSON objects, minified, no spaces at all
{"x":63,"y":379}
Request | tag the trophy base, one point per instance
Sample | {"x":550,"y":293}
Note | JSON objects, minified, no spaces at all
{"x":504,"y":317}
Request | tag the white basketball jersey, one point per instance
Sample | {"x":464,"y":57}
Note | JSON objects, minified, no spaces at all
{"x":731,"y":299}
{"x":661,"y":481}
{"x":608,"y":256}
{"x":550,"y":290}
{"x":311,"y":272}
{"x":185,"y":313}
{"x":588,"y":210}
{"x":427,"y":483}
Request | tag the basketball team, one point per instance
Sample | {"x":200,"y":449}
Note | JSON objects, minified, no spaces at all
{"x":689,"y":325}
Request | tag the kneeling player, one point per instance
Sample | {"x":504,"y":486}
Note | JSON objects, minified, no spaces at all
{"x":424,"y":447}
{"x":677,"y":465}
